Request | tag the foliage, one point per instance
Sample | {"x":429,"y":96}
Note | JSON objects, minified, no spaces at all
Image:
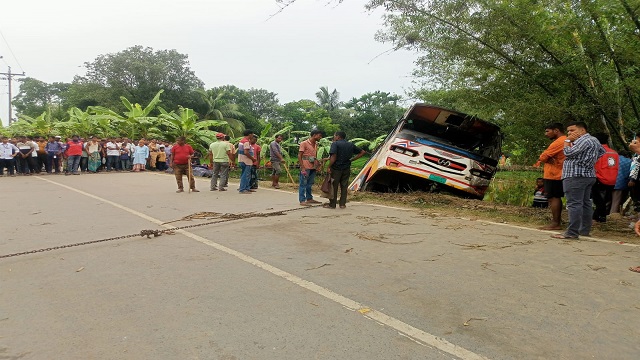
{"x":329,"y":101}
{"x":185,"y":122}
{"x":216,"y":108}
{"x":524,"y":63}
{"x":372,"y":115}
{"x":138,"y":73}
{"x":136,"y":122}
{"x":36,"y":97}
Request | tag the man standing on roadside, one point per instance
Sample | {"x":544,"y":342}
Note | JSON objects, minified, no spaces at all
{"x":74,"y":153}
{"x":275,"y":154}
{"x":219,"y":156}
{"x":257,"y":149}
{"x":578,"y":176}
{"x":246,"y":157}
{"x":340,"y":167}
{"x":553,"y":158}
{"x":8,"y":152}
{"x":308,"y":166}
{"x":42,"y":153}
{"x":181,"y":154}
{"x":54,"y":153}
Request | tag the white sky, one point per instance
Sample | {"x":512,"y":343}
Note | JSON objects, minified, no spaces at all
{"x":310,"y":44}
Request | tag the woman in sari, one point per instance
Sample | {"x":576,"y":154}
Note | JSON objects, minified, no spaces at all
{"x":93,"y":150}
{"x":140,"y":156}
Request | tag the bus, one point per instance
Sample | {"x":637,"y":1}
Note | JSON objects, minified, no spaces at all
{"x":433,"y":148}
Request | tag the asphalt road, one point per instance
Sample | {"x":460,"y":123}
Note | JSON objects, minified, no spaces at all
{"x":366,"y":282}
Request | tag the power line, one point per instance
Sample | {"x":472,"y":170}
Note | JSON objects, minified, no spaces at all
{"x":11,"y":51}
{"x":9,"y":77}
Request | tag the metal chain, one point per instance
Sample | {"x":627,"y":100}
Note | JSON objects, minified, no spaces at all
{"x":156,"y":233}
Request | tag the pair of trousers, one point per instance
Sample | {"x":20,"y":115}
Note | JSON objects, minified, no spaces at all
{"x":183,"y":169}
{"x":125,"y":164}
{"x":340,"y":178}
{"x":9,"y":164}
{"x":42,"y":161}
{"x":220,"y":171}
{"x":26,"y":165}
{"x":84,"y":164}
{"x":601,"y":195}
{"x":254,"y":177}
{"x":305,"y":185}
{"x":53,"y":163}
{"x":112,"y":162}
{"x":245,"y":177}
{"x":577,"y":191}
{"x":73,"y":163}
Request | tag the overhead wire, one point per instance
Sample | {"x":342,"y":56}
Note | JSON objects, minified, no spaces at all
{"x":10,"y":51}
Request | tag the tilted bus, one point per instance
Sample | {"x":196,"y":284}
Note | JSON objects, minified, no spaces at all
{"x":430,"y":148}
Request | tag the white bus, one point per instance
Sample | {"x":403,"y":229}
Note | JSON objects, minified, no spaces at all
{"x":431,"y":148}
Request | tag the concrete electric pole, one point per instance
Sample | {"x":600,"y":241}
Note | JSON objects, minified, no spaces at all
{"x":9,"y":76}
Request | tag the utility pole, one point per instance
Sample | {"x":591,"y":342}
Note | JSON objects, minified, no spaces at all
{"x":9,"y":76}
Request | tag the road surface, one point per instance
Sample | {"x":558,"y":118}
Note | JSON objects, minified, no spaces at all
{"x":366,"y":282}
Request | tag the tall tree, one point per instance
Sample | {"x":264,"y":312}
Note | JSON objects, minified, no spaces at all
{"x":138,"y":73}
{"x":36,"y":97}
{"x":328,"y":100}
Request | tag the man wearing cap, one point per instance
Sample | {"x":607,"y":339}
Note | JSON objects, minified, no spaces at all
{"x":219,"y":157}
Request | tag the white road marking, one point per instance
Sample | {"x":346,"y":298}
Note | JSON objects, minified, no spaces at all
{"x":404,"y":328}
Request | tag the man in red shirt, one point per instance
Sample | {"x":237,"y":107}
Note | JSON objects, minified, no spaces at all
{"x":74,"y":153}
{"x":180,"y":161}
{"x":606,"y":174}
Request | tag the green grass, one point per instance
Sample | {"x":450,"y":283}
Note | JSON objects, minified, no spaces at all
{"x":513,"y":187}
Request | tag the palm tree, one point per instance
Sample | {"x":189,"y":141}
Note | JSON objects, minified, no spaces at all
{"x":218,"y":109}
{"x":328,"y":100}
{"x":185,"y":123}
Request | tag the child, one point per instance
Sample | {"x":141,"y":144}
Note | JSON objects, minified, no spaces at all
{"x":161,"y":163}
{"x":539,"y":196}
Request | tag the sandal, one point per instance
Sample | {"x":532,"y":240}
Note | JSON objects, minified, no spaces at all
{"x":564,"y":237}
{"x":635,"y":269}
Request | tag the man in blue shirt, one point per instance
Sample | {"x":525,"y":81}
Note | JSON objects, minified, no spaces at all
{"x":578,"y":176}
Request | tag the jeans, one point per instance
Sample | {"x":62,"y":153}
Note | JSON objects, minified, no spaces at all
{"x":125,"y":164}
{"x":221,"y":171}
{"x":8,"y":163}
{"x":53,"y":161}
{"x":42,"y":161}
{"x":73,"y":163}
{"x":245,"y":177}
{"x":84,"y":164}
{"x":112,"y":162}
{"x":305,"y":185}
{"x":254,"y":177}
{"x":340,"y":177}
{"x":577,"y":191}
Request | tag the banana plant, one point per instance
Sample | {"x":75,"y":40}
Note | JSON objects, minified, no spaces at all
{"x":185,"y":123}
{"x":136,"y":122}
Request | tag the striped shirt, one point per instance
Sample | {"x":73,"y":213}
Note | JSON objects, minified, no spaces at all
{"x":581,"y":157}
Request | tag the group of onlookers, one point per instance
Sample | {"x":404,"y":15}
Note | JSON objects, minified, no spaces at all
{"x":595,"y":179}
{"x":26,"y":155}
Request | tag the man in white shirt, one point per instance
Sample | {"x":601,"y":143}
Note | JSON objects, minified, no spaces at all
{"x":8,"y":153}
{"x":113,"y":154}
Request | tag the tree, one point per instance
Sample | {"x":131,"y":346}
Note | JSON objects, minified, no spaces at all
{"x":329,"y":101}
{"x":138,"y":73}
{"x":136,"y":122}
{"x":185,"y":122}
{"x":216,"y":108}
{"x":304,"y":115}
{"x":36,"y":97}
{"x":524,"y":63}
{"x":373,"y":114}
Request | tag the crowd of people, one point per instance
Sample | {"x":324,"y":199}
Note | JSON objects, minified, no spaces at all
{"x":595,"y":179}
{"x":26,"y":155}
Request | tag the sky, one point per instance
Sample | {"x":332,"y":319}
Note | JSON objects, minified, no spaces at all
{"x":308,"y":45}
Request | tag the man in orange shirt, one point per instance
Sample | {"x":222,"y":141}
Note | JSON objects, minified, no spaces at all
{"x":553,"y":158}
